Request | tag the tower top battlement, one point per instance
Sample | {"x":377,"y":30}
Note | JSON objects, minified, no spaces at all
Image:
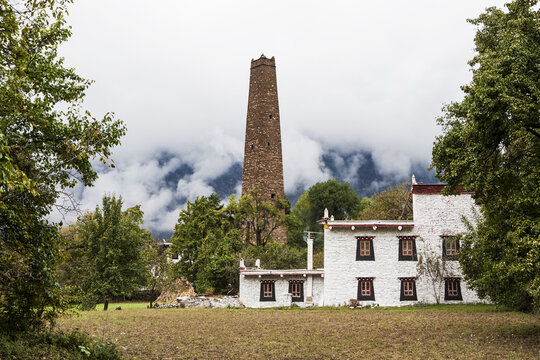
{"x":263,"y":60}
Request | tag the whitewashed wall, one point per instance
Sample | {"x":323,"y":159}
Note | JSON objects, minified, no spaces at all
{"x":434,"y":215}
{"x":250,"y":289}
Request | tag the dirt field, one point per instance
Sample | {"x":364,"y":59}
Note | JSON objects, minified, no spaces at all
{"x":430,"y":333}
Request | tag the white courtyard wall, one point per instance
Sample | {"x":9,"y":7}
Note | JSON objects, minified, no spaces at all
{"x":250,"y":288}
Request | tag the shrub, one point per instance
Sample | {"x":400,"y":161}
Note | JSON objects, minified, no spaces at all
{"x":56,"y":345}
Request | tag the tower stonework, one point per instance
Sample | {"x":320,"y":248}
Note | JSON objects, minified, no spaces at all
{"x":263,"y":162}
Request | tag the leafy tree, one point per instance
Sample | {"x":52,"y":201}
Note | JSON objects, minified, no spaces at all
{"x":207,"y":242}
{"x":43,"y":152}
{"x":275,"y":256}
{"x":257,"y":217}
{"x":299,"y":220}
{"x":159,"y":268}
{"x":339,"y":198}
{"x":219,"y":258}
{"x":70,"y":267}
{"x":491,"y":145}
{"x":114,"y":251}
{"x":390,"y":204}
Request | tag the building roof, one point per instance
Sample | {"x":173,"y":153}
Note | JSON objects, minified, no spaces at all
{"x":285,"y":272}
{"x":374,"y":224}
{"x":430,"y":189}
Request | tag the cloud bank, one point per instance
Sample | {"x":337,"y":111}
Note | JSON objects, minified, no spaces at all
{"x":360,"y":86}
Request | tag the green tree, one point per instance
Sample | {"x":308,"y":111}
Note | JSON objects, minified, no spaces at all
{"x":275,"y":256}
{"x":390,"y":204}
{"x":257,"y":217}
{"x":491,"y":145}
{"x":207,"y":242}
{"x":339,"y":198}
{"x":114,"y":252}
{"x":159,"y":272}
{"x":43,"y":152}
{"x":299,"y":220}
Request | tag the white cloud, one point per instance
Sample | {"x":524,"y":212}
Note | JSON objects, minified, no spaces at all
{"x":302,"y":161}
{"x":353,"y":76}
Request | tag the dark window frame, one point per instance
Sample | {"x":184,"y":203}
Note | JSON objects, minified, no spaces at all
{"x":371,"y":256}
{"x":297,"y":298}
{"x":359,"y":295}
{"x":449,"y":280}
{"x":445,"y":239}
{"x":402,"y":296}
{"x":414,"y":256}
{"x":273,"y":289}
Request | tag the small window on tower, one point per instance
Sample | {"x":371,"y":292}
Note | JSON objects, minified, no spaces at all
{"x":251,"y":146}
{"x":270,"y":116}
{"x":273,"y":196}
{"x":268,"y":144}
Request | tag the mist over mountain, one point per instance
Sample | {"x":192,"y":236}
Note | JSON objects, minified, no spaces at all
{"x":359,"y":92}
{"x":358,"y":168}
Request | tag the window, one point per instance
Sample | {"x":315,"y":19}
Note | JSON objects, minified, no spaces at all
{"x":452,"y":289}
{"x":450,"y":247}
{"x":365,"y":289}
{"x":407,"y":248}
{"x":364,"y":248}
{"x":296,"y":289}
{"x":268,"y":290}
{"x":408,"y":289}
{"x":272,"y":196}
{"x":270,"y":116}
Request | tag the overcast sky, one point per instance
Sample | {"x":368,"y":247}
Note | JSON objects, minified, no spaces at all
{"x":352,"y":76}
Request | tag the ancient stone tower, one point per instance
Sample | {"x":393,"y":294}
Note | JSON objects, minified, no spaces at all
{"x":263,"y":164}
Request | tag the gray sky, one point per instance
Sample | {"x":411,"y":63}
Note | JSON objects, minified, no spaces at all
{"x":352,"y":76}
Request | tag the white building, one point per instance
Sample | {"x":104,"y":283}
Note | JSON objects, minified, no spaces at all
{"x":375,"y":262}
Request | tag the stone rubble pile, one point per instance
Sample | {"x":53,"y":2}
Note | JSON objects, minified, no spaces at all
{"x":203,"y":302}
{"x":209,"y":302}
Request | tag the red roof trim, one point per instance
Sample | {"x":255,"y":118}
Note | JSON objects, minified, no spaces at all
{"x":284,"y":274}
{"x":371,"y":225}
{"x":431,"y":189}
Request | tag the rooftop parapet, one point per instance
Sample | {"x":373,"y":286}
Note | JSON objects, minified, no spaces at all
{"x":263,"y":60}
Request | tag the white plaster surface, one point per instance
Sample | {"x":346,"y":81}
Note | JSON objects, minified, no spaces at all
{"x":434,"y":215}
{"x":250,"y":290}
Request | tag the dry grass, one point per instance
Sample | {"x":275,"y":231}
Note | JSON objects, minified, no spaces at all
{"x":315,"y":334}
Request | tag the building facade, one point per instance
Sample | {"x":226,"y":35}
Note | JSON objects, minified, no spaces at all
{"x":377,"y":262}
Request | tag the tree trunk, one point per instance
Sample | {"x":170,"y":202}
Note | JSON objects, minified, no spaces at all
{"x":151,"y":297}
{"x":106,"y":305}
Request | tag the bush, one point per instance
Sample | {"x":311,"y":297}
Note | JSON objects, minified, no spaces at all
{"x":275,"y":256}
{"x":55,"y":345}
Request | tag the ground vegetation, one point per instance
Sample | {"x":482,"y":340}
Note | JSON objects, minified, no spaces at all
{"x":431,"y":332}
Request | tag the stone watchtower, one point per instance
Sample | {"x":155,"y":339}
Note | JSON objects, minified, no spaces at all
{"x":263,"y":163}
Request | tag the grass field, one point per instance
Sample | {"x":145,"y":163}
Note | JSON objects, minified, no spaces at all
{"x":455,"y":332}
